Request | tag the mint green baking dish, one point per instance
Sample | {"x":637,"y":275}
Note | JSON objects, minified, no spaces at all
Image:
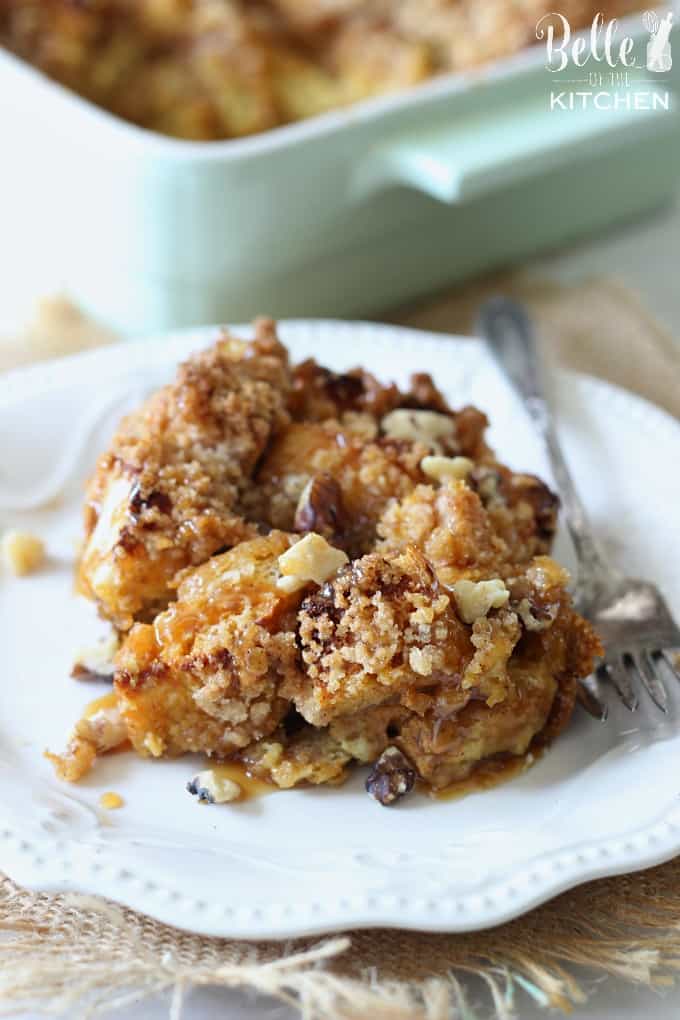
{"x":338,"y":216}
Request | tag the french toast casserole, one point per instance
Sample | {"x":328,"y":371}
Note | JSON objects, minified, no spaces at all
{"x":213,"y":69}
{"x":306,"y":569}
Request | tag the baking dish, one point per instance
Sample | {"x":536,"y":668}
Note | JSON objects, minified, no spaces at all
{"x":340,"y":215}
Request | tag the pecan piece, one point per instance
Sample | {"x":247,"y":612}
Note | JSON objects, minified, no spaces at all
{"x":423,"y":395}
{"x":155,"y":499}
{"x":344,"y":388}
{"x":534,"y":616}
{"x":487,"y":482}
{"x":320,"y":508}
{"x":543,"y":501}
{"x":391,"y":778}
{"x":536,"y":610}
{"x":434,"y":430}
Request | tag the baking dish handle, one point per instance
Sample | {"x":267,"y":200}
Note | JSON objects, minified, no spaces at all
{"x":472,"y":154}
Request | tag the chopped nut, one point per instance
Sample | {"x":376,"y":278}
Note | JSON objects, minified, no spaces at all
{"x":22,"y":552}
{"x":536,"y":597}
{"x":426,"y":427}
{"x":211,"y":788}
{"x":391,"y":778}
{"x":97,"y":662}
{"x":486,"y":481}
{"x":424,"y":395}
{"x":310,"y":559}
{"x":94,"y":734}
{"x":105,"y":729}
{"x":476,"y":598}
{"x":536,"y":617}
{"x":443,"y":468}
{"x":420,"y":661}
{"x":544,"y":503}
{"x":320,"y":508}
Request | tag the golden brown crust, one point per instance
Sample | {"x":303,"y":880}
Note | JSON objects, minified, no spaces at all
{"x":457,"y":531}
{"x":164,"y":496}
{"x":492,"y":687}
{"x":379,"y":629}
{"x":343,"y":436}
{"x":206,"y":675}
{"x":319,"y":394}
{"x":447,"y":734}
{"x":522,"y":508}
{"x":369,"y":472}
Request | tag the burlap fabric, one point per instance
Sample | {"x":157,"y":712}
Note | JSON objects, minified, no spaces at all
{"x":78,"y":956}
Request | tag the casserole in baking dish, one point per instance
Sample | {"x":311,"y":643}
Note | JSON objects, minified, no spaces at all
{"x":210,"y":69}
{"x":338,"y":214}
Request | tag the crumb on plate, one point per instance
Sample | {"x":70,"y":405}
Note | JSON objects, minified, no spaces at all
{"x":111,"y":801}
{"x":22,"y":552}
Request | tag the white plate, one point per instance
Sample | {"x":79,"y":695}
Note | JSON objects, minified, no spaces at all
{"x":603,"y":800}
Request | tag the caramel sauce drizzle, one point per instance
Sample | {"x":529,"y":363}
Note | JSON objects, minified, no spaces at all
{"x":250,"y":785}
{"x":485,"y":776}
{"x":100,"y":704}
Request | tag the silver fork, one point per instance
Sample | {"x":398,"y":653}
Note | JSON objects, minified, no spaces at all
{"x":630,"y":615}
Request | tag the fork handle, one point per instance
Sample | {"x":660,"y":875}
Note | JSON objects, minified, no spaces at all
{"x":510,"y":337}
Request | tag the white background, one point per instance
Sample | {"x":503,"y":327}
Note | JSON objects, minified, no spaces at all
{"x":646,"y":256}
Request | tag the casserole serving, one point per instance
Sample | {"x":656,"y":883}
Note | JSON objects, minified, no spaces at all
{"x":307,"y":569}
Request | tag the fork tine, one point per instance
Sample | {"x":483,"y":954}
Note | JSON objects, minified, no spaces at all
{"x":651,"y":680}
{"x":588,"y":697}
{"x":668,"y":658}
{"x":615,"y":671}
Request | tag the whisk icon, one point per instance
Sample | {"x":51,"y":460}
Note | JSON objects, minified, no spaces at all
{"x":659,"y":57}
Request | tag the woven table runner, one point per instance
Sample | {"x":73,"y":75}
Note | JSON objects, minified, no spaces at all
{"x":75,"y":956}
